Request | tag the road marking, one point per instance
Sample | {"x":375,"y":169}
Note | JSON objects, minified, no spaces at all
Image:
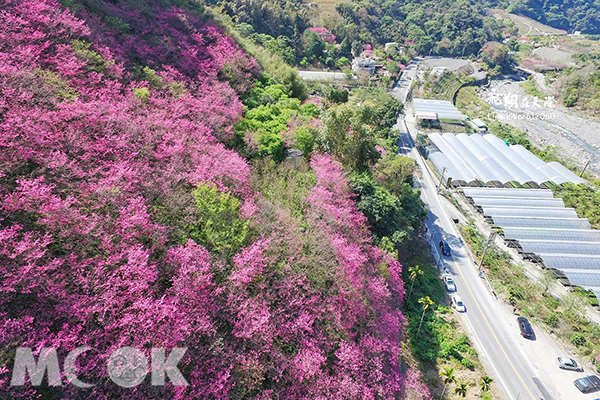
{"x":489,"y":325}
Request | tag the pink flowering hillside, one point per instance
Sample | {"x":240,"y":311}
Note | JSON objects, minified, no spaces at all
{"x":127,"y":220}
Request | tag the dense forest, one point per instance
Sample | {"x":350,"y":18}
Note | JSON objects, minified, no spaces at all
{"x":570,"y":15}
{"x":434,"y":27}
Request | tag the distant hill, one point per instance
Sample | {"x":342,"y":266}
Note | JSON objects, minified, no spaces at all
{"x":570,"y":15}
{"x":525,"y":25}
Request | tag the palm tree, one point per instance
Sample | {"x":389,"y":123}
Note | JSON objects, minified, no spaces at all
{"x":414,"y":272}
{"x":486,"y":384}
{"x":426,"y":302}
{"x":448,"y":375}
{"x":461,"y":390}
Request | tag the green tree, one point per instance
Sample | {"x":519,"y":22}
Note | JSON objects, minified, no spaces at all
{"x":461,"y":390}
{"x":342,"y":62}
{"x":448,"y":375}
{"x":356,"y":48}
{"x":337,"y":96}
{"x":345,"y":48}
{"x":425,"y":302}
{"x":348,"y":137}
{"x":394,"y":171}
{"x":314,"y":46}
{"x":414,"y":271}
{"x":220,"y":228}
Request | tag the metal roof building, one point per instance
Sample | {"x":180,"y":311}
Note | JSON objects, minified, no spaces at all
{"x":485,"y":160}
{"x":444,"y":109}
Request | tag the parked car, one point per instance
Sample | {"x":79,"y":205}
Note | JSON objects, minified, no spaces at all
{"x":458,"y":304}
{"x":588,"y":384}
{"x":450,"y":285}
{"x":525,"y":327}
{"x":569,"y":363}
{"x":444,"y":247}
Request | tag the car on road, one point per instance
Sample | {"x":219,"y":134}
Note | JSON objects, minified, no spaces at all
{"x":449,"y":282}
{"x":525,"y":327}
{"x":444,"y":247}
{"x":458,"y":304}
{"x":569,"y":363}
{"x":588,"y":384}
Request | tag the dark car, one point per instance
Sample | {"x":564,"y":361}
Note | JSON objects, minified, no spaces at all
{"x":569,"y":363}
{"x":444,"y":247}
{"x":525,"y":327}
{"x":588,"y":384}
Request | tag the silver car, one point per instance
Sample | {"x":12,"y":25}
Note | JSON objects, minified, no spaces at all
{"x":569,"y":363}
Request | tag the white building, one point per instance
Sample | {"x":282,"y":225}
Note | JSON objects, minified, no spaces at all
{"x":364,"y":64}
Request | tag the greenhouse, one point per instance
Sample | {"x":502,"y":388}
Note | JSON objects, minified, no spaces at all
{"x":445,"y":110}
{"x":533,"y":247}
{"x":539,"y":222}
{"x":485,"y":160}
{"x":580,"y":277}
{"x":507,"y":192}
{"x":543,"y":212}
{"x":517,"y":202}
{"x":462,"y":176}
{"x":567,"y":235}
{"x":542,"y":230}
{"x":570,"y":261}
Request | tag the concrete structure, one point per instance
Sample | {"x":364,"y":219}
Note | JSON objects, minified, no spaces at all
{"x":360,"y":64}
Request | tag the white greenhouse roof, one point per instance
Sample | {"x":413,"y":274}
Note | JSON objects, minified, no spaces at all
{"x":485,"y":160}
{"x":570,"y":261}
{"x":582,"y":277}
{"x":517,"y":202}
{"x":540,"y":222}
{"x":546,"y":212}
{"x":567,"y":235}
{"x":507,"y":192}
{"x":540,"y":227}
{"x":443,"y":109}
{"x":557,"y":246}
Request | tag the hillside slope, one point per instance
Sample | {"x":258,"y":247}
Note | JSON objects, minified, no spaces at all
{"x":126,"y":219}
{"x":569,"y":15}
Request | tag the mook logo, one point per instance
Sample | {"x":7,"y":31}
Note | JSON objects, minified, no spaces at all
{"x":126,"y":366}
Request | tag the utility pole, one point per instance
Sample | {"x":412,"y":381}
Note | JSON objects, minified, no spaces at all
{"x":586,"y":165}
{"x":487,"y":245}
{"x":439,"y":188}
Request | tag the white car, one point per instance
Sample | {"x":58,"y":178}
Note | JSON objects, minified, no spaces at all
{"x":458,"y":304}
{"x":449,"y":282}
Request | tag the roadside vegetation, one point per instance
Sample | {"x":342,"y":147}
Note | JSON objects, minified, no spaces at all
{"x":437,"y":342}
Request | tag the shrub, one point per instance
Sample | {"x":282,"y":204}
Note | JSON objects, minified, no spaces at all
{"x":578,"y":339}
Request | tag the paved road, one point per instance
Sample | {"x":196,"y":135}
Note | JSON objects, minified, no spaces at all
{"x":403,"y":86}
{"x":521,"y":368}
